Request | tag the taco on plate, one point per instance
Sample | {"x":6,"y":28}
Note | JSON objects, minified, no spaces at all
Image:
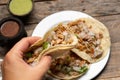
{"x":68,"y":66}
{"x":93,"y":39}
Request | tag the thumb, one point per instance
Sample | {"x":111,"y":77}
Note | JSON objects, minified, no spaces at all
{"x":43,"y":65}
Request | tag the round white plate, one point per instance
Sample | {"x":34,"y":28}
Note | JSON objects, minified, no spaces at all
{"x":64,"y":16}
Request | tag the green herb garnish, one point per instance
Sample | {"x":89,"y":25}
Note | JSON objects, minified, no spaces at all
{"x":77,"y":35}
{"x":28,"y":55}
{"x":83,"y":69}
{"x":69,"y":70}
{"x":45,"y":45}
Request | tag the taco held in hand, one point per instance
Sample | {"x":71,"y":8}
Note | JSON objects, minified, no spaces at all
{"x":57,"y":39}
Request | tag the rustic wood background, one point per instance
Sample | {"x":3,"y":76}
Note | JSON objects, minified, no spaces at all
{"x":106,"y":11}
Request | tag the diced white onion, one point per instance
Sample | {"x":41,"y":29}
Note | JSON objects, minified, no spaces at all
{"x":65,"y":33}
{"x":82,"y":35}
{"x":91,"y":33}
{"x":38,"y":50}
{"x":76,"y":68}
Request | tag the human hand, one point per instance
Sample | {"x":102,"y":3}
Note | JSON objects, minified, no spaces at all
{"x":15,"y":68}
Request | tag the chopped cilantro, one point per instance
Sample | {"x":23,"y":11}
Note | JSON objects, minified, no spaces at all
{"x":83,"y":69}
{"x":28,"y":55}
{"x":45,"y":45}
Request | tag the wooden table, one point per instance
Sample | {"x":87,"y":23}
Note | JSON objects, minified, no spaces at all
{"x":106,"y":11}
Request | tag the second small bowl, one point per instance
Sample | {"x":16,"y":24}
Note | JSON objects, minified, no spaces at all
{"x":20,"y":7}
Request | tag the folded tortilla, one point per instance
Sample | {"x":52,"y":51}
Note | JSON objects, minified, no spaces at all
{"x":57,"y":39}
{"x":68,"y":66}
{"x":93,"y":39}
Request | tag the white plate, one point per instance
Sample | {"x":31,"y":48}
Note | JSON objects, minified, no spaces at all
{"x":63,"y":16}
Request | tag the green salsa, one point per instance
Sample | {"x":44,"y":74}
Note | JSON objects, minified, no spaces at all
{"x":20,"y":7}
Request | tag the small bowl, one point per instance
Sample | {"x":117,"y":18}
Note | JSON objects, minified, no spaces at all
{"x":21,"y":9}
{"x":11,"y":31}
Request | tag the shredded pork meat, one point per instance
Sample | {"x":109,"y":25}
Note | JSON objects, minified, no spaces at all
{"x":88,"y":40}
{"x":69,"y":64}
{"x":58,"y":36}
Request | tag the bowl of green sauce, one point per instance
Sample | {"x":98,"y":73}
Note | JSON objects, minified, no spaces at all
{"x":20,"y":7}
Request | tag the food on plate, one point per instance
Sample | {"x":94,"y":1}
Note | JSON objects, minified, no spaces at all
{"x":73,"y":45}
{"x":57,"y":39}
{"x":93,"y":39}
{"x":68,"y":66}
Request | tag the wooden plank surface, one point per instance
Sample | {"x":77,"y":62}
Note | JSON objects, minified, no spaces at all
{"x":92,"y":7}
{"x":106,"y":11}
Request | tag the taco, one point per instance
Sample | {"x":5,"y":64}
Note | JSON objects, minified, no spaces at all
{"x":93,"y":39}
{"x":56,"y":39}
{"x":68,"y":66}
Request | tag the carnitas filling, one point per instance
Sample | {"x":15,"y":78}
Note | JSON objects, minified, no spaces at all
{"x":59,"y":36}
{"x":69,"y":64}
{"x":88,"y":41}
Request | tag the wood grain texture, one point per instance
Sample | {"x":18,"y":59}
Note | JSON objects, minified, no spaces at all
{"x":112,"y":69}
{"x":106,"y":11}
{"x":4,"y":2}
{"x":91,"y":7}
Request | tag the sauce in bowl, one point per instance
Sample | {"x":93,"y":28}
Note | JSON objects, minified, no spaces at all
{"x":20,"y":7}
{"x":9,"y":29}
